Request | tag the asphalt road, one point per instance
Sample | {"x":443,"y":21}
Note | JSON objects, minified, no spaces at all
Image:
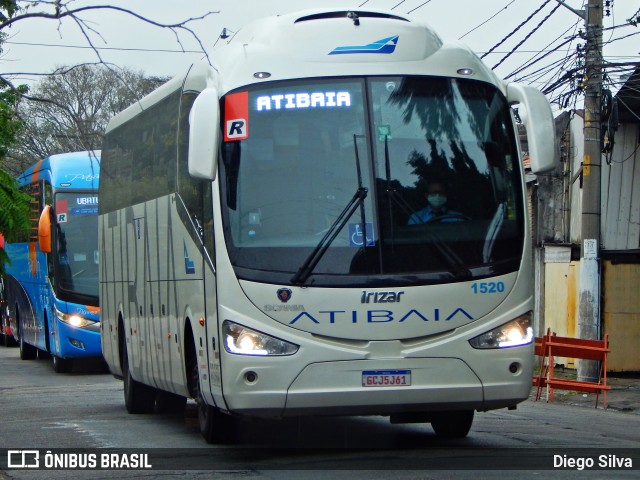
{"x":84,"y":412}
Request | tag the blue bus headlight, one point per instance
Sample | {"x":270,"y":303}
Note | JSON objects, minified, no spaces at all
{"x":74,"y":319}
{"x":512,"y":334}
{"x":241,"y":340}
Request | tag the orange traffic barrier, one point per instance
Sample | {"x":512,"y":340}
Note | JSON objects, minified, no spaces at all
{"x":551,"y":346}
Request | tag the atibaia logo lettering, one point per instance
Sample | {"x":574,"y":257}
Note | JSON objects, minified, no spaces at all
{"x":384,"y":45}
{"x":378,"y":316}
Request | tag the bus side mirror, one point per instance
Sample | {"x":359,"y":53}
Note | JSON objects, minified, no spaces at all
{"x":536,"y":115}
{"x":204,"y":125}
{"x":44,"y":230}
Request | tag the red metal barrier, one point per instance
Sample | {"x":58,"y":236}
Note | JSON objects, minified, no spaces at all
{"x":551,"y":346}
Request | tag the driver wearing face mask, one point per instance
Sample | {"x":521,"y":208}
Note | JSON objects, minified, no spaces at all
{"x":436,"y":209}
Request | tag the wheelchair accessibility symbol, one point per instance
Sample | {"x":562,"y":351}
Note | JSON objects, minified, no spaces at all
{"x":356,"y":238}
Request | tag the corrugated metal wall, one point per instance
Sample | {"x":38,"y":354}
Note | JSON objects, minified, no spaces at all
{"x":621,"y":192}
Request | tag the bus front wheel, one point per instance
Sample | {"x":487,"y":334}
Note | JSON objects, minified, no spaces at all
{"x":62,"y":365}
{"x":27,"y":352}
{"x":138,"y":397}
{"x":455,"y":424}
{"x":215,"y":426}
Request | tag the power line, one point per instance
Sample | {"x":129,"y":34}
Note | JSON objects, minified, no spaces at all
{"x":543,"y":53}
{"x":488,"y":19}
{"x":527,"y":37}
{"x":398,"y":4}
{"x":87,"y":47}
{"x":516,"y":29}
{"x":419,"y":6}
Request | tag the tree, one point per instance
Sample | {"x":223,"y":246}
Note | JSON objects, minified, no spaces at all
{"x":74,"y":107}
{"x":14,"y":205}
{"x":69,"y":109}
{"x":13,"y":12}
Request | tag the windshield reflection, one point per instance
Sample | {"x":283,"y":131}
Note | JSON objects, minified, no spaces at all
{"x":439,"y":161}
{"x":77,"y":243}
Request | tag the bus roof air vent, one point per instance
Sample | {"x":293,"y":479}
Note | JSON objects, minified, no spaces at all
{"x":349,"y":14}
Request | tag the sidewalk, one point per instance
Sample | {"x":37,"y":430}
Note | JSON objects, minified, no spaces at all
{"x":624,"y":395}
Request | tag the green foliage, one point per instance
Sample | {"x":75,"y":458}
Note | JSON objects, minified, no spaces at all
{"x":14,"y":212}
{"x":9,"y":123}
{"x":14,"y":205}
{"x":7,"y":9}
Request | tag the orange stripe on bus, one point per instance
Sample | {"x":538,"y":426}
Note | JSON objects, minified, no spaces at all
{"x":32,"y":258}
{"x":35,"y":176}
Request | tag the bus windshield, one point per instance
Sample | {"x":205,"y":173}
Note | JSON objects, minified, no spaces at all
{"x":76,"y":244}
{"x":433,"y":162}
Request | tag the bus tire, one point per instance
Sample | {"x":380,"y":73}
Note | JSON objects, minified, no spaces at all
{"x":62,"y":365}
{"x":455,"y":424}
{"x":138,"y":397}
{"x":27,"y":352}
{"x":215,"y":426}
{"x":167,"y":402}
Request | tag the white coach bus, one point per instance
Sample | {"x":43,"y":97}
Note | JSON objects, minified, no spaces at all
{"x":329,"y":220}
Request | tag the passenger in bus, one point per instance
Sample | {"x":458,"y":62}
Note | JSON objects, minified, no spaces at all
{"x":436,"y":209}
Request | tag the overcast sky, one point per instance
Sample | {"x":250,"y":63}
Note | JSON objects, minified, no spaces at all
{"x":38,"y":46}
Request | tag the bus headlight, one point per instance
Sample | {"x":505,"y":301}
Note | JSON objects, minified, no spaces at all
{"x":512,"y":334}
{"x":74,"y":319}
{"x":246,"y":341}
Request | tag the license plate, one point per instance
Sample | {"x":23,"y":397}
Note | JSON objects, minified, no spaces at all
{"x":386,"y":378}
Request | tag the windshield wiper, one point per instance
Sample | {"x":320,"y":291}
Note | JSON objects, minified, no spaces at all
{"x":314,"y":257}
{"x":356,"y":202}
{"x":456,"y":265}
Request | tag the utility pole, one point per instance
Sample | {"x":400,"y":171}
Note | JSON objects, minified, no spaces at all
{"x":589,"y":324}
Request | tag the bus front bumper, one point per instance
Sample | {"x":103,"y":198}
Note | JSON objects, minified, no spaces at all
{"x":75,"y":342}
{"x":338,"y":388}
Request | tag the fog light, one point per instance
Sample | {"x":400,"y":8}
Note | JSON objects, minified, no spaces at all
{"x":76,"y":343}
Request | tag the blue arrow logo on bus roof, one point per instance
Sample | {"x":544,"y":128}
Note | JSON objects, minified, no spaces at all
{"x":384,"y":45}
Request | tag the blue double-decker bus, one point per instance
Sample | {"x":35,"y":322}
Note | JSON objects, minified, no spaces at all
{"x":51,"y":283}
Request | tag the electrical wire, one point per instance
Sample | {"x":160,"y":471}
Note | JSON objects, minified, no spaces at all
{"x":488,"y":19}
{"x":529,"y":63}
{"x":527,"y":37}
{"x":515,"y":30}
{"x":419,"y":6}
{"x":87,"y":47}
